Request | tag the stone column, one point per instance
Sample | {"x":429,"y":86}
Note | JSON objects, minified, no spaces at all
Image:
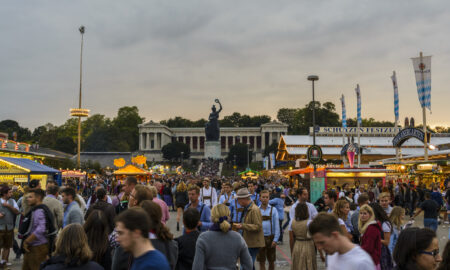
{"x":162,"y":140}
{"x":154,"y":141}
{"x":141,"y":141}
{"x":147,"y":146}
{"x":270,"y":138}
{"x":198,"y":143}
{"x":255,"y":143}
{"x":191,"y":143}
{"x":226,"y":144}
{"x":263,"y":140}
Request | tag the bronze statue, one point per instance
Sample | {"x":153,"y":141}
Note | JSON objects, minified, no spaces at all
{"x":212,"y":130}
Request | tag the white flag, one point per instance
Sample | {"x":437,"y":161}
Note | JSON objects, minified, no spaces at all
{"x":422,"y":70}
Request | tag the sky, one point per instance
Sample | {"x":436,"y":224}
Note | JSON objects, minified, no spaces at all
{"x":173,"y":58}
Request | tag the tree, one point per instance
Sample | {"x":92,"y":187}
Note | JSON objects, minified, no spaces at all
{"x":65,"y":144}
{"x":127,"y":121}
{"x":11,"y":126}
{"x":273,"y":148}
{"x":172,"y":151}
{"x":240,"y":151}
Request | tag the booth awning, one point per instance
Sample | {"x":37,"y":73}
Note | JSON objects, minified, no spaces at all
{"x":131,"y":170}
{"x":304,"y":171}
{"x":73,"y":174}
{"x":28,"y":166}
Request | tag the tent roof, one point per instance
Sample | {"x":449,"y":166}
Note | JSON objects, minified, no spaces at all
{"x":30,"y":165}
{"x":131,"y":169}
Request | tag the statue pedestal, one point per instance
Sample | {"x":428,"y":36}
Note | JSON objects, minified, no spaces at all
{"x":212,"y":149}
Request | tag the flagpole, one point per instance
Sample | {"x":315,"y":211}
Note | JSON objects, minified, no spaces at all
{"x":397,"y":153}
{"x":424,"y":114}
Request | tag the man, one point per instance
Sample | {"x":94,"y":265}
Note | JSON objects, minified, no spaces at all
{"x":102,"y":205}
{"x":161,"y":203}
{"x":385,"y":200}
{"x":342,"y":253}
{"x":320,"y":203}
{"x":271,"y":229}
{"x":36,"y":243}
{"x":93,"y":199}
{"x":127,"y":187}
{"x":208,"y":194}
{"x":205,"y":212}
{"x":78,"y":198}
{"x":360,"y":190}
{"x":187,"y":242}
{"x":362,"y":200}
{"x":254,"y":196}
{"x":72,"y":213}
{"x":437,"y":197}
{"x":226,"y":196}
{"x":8,"y":212}
{"x":24,"y":202}
{"x":250,"y":223}
{"x":132,"y":228}
{"x":330,"y":199}
{"x":302,"y":196}
{"x":430,"y":216}
{"x":55,"y":206}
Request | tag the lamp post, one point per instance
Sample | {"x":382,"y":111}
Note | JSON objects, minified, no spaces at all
{"x":314,"y":78}
{"x":80,"y":112}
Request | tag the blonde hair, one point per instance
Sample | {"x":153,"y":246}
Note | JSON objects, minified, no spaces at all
{"x":154,"y":191}
{"x":385,"y":194}
{"x":337,"y":209}
{"x":219,"y":212}
{"x":396,"y":216}
{"x":181,"y":187}
{"x":363,"y":226}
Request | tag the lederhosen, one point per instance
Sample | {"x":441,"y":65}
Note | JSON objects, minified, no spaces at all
{"x":208,"y":197}
{"x":238,"y":210}
{"x":269,"y":238}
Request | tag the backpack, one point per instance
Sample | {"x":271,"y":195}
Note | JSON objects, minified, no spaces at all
{"x":51,"y":231}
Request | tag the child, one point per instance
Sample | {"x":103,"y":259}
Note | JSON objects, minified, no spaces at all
{"x":396,"y":218}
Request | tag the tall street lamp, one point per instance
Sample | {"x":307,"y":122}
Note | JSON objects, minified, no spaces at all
{"x":313,"y":78}
{"x":79,"y":112}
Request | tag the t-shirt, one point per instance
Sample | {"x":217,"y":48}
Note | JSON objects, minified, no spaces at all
{"x":355,"y":259}
{"x":386,"y":226}
{"x":430,"y":209}
{"x":152,"y":260}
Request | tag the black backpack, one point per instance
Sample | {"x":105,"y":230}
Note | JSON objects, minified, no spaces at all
{"x":51,"y":231}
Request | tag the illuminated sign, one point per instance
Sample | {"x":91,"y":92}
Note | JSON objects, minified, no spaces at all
{"x":363,"y":131}
{"x":408,"y":133}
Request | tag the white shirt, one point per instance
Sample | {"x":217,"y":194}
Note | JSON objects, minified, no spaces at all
{"x":210,"y":192}
{"x":14,"y":203}
{"x":311,"y":209}
{"x":355,"y":259}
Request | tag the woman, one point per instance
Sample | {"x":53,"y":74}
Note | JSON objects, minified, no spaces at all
{"x":220,"y":248}
{"x":386,"y":262}
{"x":97,"y":231}
{"x":370,"y":231}
{"x":72,"y":251}
{"x":181,"y":200}
{"x":167,"y":194}
{"x":303,"y":252}
{"x":341,"y":210}
{"x":445,"y":263}
{"x":417,"y":249}
{"x":160,"y":235}
{"x":396,"y":218}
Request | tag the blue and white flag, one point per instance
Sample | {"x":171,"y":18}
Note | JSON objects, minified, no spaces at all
{"x":394,"y":82}
{"x":422,"y":70}
{"x":358,"y":99}
{"x":344,"y":113}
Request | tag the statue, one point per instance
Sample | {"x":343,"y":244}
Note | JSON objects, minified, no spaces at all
{"x":212,"y":130}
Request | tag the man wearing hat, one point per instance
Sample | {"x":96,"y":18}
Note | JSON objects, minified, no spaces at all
{"x":250,"y":223}
{"x":208,"y":194}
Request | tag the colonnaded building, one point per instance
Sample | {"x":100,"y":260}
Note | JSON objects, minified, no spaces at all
{"x":153,"y":136}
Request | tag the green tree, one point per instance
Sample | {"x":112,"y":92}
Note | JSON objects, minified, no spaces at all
{"x":273,"y":148}
{"x":177,"y":122}
{"x":127,"y":121}
{"x":11,"y":126}
{"x":240,"y":151}
{"x":172,"y":151}
{"x":65,"y":144}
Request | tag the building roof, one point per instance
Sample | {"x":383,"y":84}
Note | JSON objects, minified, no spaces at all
{"x":30,"y":165}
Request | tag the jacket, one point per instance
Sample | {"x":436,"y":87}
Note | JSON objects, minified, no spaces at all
{"x":169,"y":249}
{"x":107,"y":209}
{"x":57,"y":210}
{"x":57,"y":263}
{"x":186,"y":250}
{"x":73,"y":215}
{"x":371,"y":241}
{"x":252,"y":227}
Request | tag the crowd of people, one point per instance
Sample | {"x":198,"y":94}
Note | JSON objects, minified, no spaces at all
{"x":224,"y":224}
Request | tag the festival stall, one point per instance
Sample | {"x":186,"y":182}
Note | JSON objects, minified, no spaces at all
{"x":21,"y":171}
{"x":249,"y":175}
{"x":132,"y":170}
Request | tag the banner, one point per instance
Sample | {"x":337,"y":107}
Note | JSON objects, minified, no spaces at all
{"x":266,"y":163}
{"x":344,"y":113}
{"x":272,"y":160}
{"x":422,"y":70}
{"x":358,"y":99}
{"x":394,"y":82}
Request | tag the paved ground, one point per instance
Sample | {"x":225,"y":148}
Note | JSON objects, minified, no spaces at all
{"x":283,"y":255}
